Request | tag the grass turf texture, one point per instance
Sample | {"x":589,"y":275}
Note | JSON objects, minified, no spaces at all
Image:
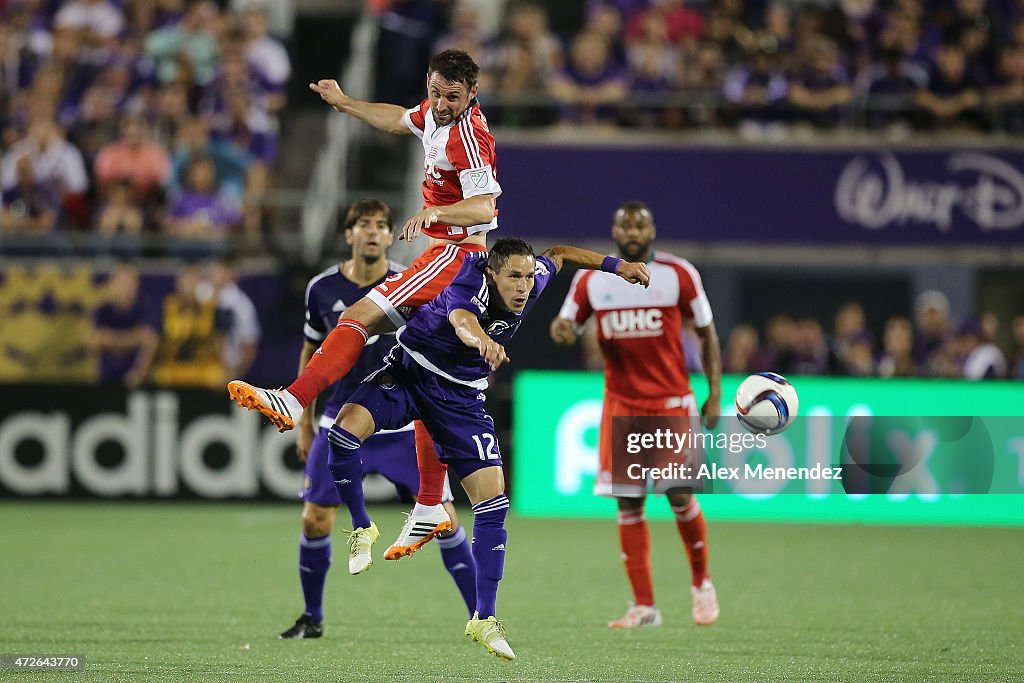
{"x":198,"y":592}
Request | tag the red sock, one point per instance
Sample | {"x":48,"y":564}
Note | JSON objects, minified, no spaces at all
{"x":332,"y":361}
{"x":690,"y":522}
{"x":431,"y":469}
{"x":635,"y":541}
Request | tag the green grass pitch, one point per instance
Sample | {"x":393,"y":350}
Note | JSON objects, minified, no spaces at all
{"x":198,"y":592}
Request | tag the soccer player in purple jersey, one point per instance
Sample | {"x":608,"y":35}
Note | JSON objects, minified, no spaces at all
{"x":368,"y":231}
{"x":437,"y":373}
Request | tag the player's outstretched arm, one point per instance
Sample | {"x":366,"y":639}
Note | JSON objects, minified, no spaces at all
{"x":561,"y":254}
{"x":386,"y":117}
{"x":468,"y":329}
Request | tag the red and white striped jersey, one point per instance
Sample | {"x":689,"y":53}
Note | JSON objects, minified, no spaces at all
{"x":458,"y":163}
{"x":640,"y":330}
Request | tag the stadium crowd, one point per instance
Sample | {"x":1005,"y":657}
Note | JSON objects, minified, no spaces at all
{"x":761,"y":65}
{"x":124,"y":119}
{"x":128,"y":119}
{"x":930,"y":345}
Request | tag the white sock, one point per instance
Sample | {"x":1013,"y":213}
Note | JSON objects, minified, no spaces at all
{"x":424,"y":509}
{"x":292,"y":402}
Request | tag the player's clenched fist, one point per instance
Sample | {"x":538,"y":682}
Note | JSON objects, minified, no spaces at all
{"x":329,"y":91}
{"x":637,"y":273}
{"x":492,"y":352}
{"x":563,"y":332}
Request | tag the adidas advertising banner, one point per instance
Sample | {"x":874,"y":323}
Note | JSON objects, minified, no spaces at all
{"x":93,"y":442}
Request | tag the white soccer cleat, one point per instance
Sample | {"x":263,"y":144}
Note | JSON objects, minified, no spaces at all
{"x":360,"y":542}
{"x":490,"y":633}
{"x":705,"y":603}
{"x":419,"y":528}
{"x":638,"y":616}
{"x":270,"y":402}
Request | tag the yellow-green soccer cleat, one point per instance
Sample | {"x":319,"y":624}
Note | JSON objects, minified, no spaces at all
{"x":359,"y":543}
{"x":490,"y":633}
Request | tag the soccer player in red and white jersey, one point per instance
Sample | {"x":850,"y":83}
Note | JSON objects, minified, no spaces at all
{"x":639,"y":332}
{"x":459,"y":192}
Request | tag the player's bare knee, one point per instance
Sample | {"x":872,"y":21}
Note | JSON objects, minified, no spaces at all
{"x":631,"y":504}
{"x":317,"y":520}
{"x":356,"y":420}
{"x":679,"y":497}
{"x":371,"y":316}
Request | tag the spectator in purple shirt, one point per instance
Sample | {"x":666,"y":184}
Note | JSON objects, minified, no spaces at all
{"x":123,"y":334}
{"x":200,"y":211}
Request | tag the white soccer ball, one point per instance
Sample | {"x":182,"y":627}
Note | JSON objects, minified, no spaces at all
{"x":766,"y":403}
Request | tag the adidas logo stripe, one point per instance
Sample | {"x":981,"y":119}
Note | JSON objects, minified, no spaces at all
{"x":277,"y":403}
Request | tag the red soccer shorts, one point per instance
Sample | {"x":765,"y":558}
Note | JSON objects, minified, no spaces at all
{"x":402,"y":293}
{"x":613,"y":475}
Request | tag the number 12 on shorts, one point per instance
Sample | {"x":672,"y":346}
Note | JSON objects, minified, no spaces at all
{"x":488,"y":452}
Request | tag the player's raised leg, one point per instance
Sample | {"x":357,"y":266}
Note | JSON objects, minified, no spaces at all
{"x":332,"y":361}
{"x":378,"y":312}
{"x":635,"y":542}
{"x":690,"y":522}
{"x":353,"y":426}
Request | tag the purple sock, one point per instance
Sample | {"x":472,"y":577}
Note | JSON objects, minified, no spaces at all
{"x":347,"y":469}
{"x":458,"y":560}
{"x":489,"y":538}
{"x":314,"y":561}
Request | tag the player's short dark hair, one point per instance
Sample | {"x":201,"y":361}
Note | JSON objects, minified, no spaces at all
{"x":365,"y":207}
{"x":634,"y":206}
{"x":455,"y":66}
{"x":504,"y":248}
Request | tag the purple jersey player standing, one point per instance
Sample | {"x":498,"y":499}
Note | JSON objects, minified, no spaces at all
{"x":391,"y":453}
{"x":437,"y":373}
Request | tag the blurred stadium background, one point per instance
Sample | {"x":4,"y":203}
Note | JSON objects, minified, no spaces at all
{"x":848,"y":176}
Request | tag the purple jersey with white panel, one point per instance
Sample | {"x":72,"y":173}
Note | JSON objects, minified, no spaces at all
{"x":432,"y":376}
{"x":431,"y":340}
